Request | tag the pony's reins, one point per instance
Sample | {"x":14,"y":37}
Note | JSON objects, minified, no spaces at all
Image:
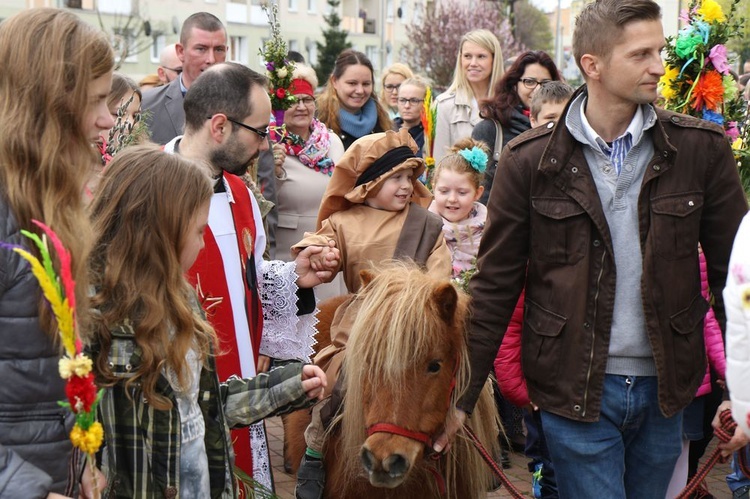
{"x":724,"y":433}
{"x":514,"y":492}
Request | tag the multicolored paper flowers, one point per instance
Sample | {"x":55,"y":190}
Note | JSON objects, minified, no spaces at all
{"x":697,"y":79}
{"x":278,"y":68}
{"x":74,"y":366}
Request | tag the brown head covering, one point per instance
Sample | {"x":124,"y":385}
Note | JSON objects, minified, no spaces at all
{"x":343,"y":192}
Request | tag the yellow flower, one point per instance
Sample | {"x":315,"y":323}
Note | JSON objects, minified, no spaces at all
{"x":665,"y":82}
{"x":429,"y":161}
{"x":80,"y":365}
{"x":88,"y":441}
{"x":711,"y":11}
{"x":737,"y":144}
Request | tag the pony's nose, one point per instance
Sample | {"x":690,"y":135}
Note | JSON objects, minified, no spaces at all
{"x":396,"y":465}
{"x":367,"y":459}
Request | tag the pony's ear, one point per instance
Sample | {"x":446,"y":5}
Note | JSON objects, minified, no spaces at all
{"x":366,"y":276}
{"x":446,"y":298}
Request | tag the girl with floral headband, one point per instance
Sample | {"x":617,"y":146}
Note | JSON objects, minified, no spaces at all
{"x":457,"y":185}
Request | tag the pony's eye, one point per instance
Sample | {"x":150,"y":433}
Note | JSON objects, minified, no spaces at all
{"x":433,"y":366}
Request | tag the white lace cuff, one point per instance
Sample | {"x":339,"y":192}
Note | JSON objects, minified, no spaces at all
{"x":285,"y":334}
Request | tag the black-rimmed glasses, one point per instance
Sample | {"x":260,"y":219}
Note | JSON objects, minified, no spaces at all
{"x":176,"y":70}
{"x":260,"y":133}
{"x":531,"y":83}
{"x":414,"y":102}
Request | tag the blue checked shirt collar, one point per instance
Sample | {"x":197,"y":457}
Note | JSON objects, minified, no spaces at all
{"x":622,"y":144}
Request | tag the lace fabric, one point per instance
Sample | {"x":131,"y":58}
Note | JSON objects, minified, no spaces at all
{"x":285,"y":334}
{"x":261,"y":460}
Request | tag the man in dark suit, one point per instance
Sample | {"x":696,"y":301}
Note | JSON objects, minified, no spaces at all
{"x":203,"y":43}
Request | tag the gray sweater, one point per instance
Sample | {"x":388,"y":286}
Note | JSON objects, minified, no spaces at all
{"x":630,"y":352}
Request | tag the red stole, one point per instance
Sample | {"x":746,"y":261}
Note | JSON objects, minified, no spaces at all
{"x":208,"y":277}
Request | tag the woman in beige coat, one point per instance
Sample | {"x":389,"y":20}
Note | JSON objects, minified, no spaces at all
{"x":306,"y":154}
{"x":478,"y":67}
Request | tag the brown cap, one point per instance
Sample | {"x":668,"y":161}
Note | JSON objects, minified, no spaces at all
{"x":343,"y":192}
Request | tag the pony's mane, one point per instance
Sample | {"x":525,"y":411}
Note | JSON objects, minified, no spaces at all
{"x":398,"y":323}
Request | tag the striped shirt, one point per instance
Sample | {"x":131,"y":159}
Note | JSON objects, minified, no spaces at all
{"x":619,"y":148}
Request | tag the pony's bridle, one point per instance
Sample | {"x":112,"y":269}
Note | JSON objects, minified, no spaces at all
{"x":418,"y":436}
{"x":421,"y":436}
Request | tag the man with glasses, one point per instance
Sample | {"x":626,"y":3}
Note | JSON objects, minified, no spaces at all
{"x":227,"y":112}
{"x":170,"y":66}
{"x":411,"y":93}
{"x":203,"y":43}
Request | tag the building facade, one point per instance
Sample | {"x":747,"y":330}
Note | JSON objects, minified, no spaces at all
{"x":141,"y":28}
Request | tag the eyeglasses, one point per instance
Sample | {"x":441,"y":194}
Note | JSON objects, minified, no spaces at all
{"x":260,"y":133}
{"x":533,"y":82}
{"x":176,"y":70}
{"x":391,"y":87}
{"x":306,"y":101}
{"x":413,"y":102}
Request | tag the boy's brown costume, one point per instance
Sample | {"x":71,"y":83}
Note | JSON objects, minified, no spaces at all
{"x":367,"y":236}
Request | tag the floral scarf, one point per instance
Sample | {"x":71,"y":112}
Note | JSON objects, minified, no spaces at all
{"x":312,"y":153}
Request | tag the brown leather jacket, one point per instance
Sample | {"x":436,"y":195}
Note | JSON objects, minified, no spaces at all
{"x":544,"y":211}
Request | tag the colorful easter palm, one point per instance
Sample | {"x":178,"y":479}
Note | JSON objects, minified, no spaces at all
{"x":74,"y":366}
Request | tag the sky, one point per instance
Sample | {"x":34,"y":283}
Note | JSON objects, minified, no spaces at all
{"x":549,"y":5}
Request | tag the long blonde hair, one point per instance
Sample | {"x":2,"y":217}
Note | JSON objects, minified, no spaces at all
{"x":48,"y":57}
{"x":143,"y":208}
{"x":488,"y":41}
{"x":328,"y":102}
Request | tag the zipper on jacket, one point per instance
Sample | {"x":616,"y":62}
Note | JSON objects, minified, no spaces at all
{"x":593,"y":336}
{"x":19,"y":418}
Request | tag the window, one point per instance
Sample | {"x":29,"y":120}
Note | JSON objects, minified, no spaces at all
{"x":122,"y":7}
{"x":293,"y":45}
{"x":311,"y":7}
{"x":293,"y":5}
{"x":372,"y":53}
{"x":157,"y":45}
{"x":238,"y":49}
{"x":418,"y":13}
{"x":312,"y":54}
{"x":389,"y":10}
{"x":403,"y":12}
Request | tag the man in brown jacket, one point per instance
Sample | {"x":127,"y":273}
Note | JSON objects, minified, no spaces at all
{"x":600,"y":218}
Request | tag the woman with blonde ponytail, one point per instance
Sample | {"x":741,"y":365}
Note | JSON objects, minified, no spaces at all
{"x":55,"y":74}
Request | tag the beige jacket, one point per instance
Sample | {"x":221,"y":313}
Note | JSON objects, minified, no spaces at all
{"x":457,"y":115}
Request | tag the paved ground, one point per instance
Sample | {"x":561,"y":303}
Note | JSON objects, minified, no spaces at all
{"x":518,"y":473}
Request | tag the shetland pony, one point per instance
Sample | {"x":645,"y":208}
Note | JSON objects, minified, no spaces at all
{"x":406,"y":366}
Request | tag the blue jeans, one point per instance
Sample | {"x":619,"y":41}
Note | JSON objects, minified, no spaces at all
{"x":629,"y":453}
{"x":736,"y":479}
